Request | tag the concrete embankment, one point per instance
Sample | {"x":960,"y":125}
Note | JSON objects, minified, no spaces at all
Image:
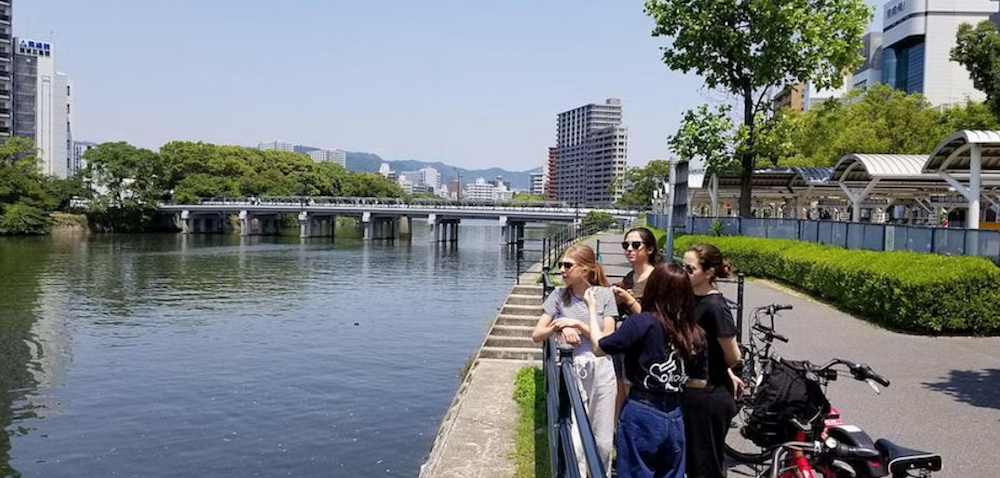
{"x":476,"y":437}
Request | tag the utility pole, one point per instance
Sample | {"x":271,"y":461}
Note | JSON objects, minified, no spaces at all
{"x":458,"y":184}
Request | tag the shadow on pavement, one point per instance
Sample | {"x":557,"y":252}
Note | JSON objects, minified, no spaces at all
{"x":979,"y":388}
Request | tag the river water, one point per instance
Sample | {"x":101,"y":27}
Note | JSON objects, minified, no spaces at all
{"x":221,"y":356}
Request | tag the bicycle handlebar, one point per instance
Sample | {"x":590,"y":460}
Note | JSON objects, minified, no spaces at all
{"x":831,"y":447}
{"x":770,"y":333}
{"x":860,"y":372}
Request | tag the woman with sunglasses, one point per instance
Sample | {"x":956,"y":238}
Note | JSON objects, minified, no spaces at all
{"x":656,"y":344}
{"x":566,"y":314}
{"x":709,"y":399}
{"x":641,"y":252}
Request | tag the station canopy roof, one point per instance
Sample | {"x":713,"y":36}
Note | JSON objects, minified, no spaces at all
{"x":953,"y":154}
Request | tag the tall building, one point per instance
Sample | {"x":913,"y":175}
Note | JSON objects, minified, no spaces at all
{"x":537,"y":183}
{"x":430,"y":177}
{"x":870,"y":71}
{"x":79,"y":149}
{"x":813,"y":96}
{"x":43,"y":105}
{"x":917,"y":38}
{"x":591,"y":152}
{"x":6,"y":69}
{"x":791,"y":97}
{"x":276,"y":146}
{"x":338,"y":156}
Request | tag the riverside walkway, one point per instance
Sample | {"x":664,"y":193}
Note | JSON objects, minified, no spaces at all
{"x":945,"y":391}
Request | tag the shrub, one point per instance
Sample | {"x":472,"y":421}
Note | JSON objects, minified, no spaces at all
{"x":914,"y":292}
{"x":597,"y":221}
{"x":21,"y":218}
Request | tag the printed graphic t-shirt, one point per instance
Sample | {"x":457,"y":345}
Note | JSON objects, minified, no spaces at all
{"x":651,"y":362}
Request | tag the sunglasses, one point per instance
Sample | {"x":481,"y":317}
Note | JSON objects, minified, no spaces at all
{"x":566,"y":265}
{"x":636,"y":245}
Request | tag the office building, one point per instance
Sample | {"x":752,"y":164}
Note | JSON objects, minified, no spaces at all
{"x":591,"y":152}
{"x":426,"y":177}
{"x":43,"y":106}
{"x":276,"y":146}
{"x":791,"y":97}
{"x":6,"y":69}
{"x":80,"y":148}
{"x":870,"y":70}
{"x":538,"y":183}
{"x":813,"y":96}
{"x":917,"y":38}
{"x":338,"y":156}
{"x":481,"y":190}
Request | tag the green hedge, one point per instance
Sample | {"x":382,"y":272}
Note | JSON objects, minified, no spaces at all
{"x":909,"y":291}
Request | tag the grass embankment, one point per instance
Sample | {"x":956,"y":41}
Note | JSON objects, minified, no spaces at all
{"x":907,"y":291}
{"x":66,"y":220}
{"x":531,"y":451}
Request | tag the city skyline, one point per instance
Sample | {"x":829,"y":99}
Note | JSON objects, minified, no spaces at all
{"x":432,"y":81}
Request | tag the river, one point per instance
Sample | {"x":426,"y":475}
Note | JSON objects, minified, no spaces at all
{"x":222,"y":356}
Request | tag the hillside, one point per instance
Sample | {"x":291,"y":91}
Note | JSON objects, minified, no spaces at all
{"x":367,"y":162}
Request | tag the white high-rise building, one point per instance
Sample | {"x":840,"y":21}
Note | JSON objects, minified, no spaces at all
{"x":338,"y":156}
{"x":276,"y":146}
{"x":6,"y":69}
{"x":430,"y":177}
{"x":43,"y":105}
{"x":591,"y":153}
{"x":538,"y":183}
{"x":79,"y":149}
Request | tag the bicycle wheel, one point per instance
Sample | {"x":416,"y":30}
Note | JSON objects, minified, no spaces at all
{"x":739,"y":447}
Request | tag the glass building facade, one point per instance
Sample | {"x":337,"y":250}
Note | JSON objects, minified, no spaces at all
{"x":903,"y":66}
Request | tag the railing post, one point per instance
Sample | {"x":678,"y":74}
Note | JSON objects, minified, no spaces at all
{"x":740,"y":277}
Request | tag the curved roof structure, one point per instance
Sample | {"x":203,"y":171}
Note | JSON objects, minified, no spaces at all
{"x":866,"y":167}
{"x":953,"y":153}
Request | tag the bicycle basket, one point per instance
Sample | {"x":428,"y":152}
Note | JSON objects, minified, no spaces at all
{"x":785,"y":394}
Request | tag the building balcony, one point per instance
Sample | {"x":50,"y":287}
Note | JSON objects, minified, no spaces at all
{"x":4,"y":36}
{"x":5,"y":93}
{"x":4,"y":18}
{"x":4,"y":112}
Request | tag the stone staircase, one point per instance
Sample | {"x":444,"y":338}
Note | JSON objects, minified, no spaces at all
{"x":510,"y":336}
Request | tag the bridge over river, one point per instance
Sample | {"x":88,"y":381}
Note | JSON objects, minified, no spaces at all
{"x":380,"y":218}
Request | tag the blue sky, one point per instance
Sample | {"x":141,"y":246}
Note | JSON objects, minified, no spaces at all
{"x":470,"y":83}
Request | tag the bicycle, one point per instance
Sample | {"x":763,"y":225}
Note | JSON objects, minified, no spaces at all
{"x":842,"y":451}
{"x":757,"y":354}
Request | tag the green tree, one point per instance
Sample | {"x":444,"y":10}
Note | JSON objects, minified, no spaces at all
{"x":371,"y":185}
{"x":643,"y":181}
{"x":63,"y":190}
{"x":706,"y":135}
{"x":597,"y":221}
{"x":978,"y":49}
{"x":24,"y":198}
{"x":127,"y":181}
{"x":749,"y":48}
{"x":528,"y":197}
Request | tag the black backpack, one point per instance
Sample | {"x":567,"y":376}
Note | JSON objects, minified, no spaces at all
{"x":785,"y":393}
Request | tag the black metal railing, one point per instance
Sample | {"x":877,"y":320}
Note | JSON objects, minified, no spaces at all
{"x":552,"y":247}
{"x":563,"y":402}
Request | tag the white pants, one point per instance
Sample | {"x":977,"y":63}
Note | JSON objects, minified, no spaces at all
{"x":595,"y":378}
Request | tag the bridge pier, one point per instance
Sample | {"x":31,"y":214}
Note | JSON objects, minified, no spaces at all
{"x":246,"y":223}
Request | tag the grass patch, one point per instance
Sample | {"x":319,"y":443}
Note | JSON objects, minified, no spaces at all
{"x":531,"y":451}
{"x":62,"y":219}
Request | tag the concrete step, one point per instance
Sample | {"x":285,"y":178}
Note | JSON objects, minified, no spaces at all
{"x":522,"y":310}
{"x":518,"y":299}
{"x":511,"y":353}
{"x":512,"y":330}
{"x":517,"y":320}
{"x":512,"y":342}
{"x":527,"y":290}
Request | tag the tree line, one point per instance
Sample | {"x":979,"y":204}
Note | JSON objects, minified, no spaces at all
{"x":122,"y":184}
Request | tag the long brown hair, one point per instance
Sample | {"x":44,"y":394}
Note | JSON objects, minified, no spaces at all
{"x":670,"y":298}
{"x":709,"y":257}
{"x":585,"y":257}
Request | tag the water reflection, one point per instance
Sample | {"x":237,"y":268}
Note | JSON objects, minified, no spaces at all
{"x":226,"y":356}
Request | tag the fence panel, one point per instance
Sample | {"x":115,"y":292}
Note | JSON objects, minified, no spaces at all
{"x":949,"y":241}
{"x":989,"y":245}
{"x":824,"y":232}
{"x":919,"y":239}
{"x":702,"y":225}
{"x":783,"y":228}
{"x":839,"y":234}
{"x":755,"y":227}
{"x":855,"y":235}
{"x":874,"y":237}
{"x":810,"y":231}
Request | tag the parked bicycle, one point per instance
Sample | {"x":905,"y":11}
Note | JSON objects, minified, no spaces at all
{"x":756,"y":355}
{"x":792,"y":419}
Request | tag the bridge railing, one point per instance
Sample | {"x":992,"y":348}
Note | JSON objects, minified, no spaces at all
{"x":563,"y":402}
{"x":303,"y":201}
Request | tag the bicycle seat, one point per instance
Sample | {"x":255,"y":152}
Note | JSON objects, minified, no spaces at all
{"x":899,"y":460}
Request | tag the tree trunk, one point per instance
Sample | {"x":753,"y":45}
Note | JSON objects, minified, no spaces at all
{"x":748,"y":156}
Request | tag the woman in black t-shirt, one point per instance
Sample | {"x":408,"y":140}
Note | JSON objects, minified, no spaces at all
{"x":656,"y":344}
{"x":709,"y":399}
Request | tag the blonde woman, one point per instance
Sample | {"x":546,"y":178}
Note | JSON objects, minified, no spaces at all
{"x":567,"y":315}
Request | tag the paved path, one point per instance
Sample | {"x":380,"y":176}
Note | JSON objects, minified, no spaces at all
{"x":944,"y":394}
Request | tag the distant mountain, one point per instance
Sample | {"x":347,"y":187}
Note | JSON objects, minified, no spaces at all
{"x":367,"y":162}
